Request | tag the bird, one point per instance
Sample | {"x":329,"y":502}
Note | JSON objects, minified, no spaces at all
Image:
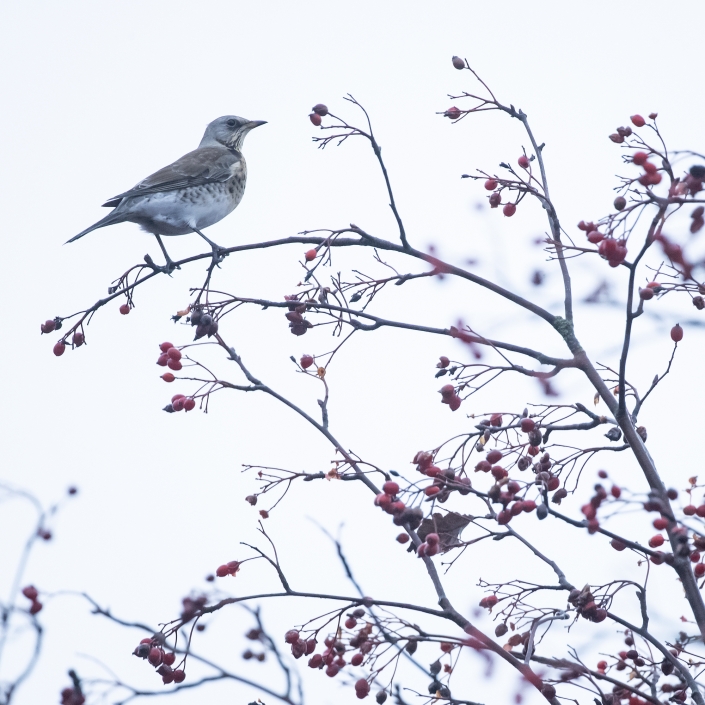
{"x":192,"y":193}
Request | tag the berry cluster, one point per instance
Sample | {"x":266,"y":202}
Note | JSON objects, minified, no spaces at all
{"x":332,"y":658}
{"x":205,"y":324}
{"x":318,"y":111}
{"x":170,"y":357}
{"x":77,"y":339}
{"x":31,"y":593}
{"x":609,"y":248}
{"x":72,"y":696}
{"x":585,"y":605}
{"x":230,"y":568}
{"x":151,"y":650}
{"x":390,"y":503}
{"x":651,"y":175}
{"x":297,"y":323}
{"x":449,"y":396}
{"x":444,"y":481}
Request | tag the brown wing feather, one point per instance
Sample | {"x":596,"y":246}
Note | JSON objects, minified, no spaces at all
{"x":206,"y":165}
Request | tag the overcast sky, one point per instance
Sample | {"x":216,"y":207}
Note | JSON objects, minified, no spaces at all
{"x":97,"y":95}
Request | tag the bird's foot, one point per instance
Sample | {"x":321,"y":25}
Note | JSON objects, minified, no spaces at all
{"x":218,"y":254}
{"x":168,"y":268}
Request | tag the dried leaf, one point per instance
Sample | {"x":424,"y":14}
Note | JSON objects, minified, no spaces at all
{"x":321,"y":372}
{"x":596,"y":400}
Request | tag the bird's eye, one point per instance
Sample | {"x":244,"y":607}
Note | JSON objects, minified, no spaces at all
{"x":232,"y":123}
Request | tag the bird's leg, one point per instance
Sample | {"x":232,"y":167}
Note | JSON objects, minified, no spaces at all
{"x":219,"y":253}
{"x":170,"y":264}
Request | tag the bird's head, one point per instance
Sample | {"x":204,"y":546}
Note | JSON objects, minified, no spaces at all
{"x":229,"y":131}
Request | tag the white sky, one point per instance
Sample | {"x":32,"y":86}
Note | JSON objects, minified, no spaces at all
{"x":99,"y":95}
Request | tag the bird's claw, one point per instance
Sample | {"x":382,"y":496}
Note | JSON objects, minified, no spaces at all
{"x":168,"y":268}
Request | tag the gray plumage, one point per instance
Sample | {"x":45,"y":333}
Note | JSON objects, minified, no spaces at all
{"x":194,"y":192}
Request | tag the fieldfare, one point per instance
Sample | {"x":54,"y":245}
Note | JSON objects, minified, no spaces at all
{"x":194,"y":192}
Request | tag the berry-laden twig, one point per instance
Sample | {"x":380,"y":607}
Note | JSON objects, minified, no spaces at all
{"x":499,"y":480}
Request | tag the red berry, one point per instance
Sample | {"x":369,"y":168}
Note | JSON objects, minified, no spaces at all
{"x":638,"y":120}
{"x":656,"y":541}
{"x":660,"y":523}
{"x":59,"y":348}
{"x":30,"y":592}
{"x":178,"y":675}
{"x":78,"y":339}
{"x":125,"y":309}
{"x":523,"y":161}
{"x":640,"y":158}
{"x":595,"y":237}
{"x":498,"y":472}
{"x":162,"y":360}
{"x":509,"y":210}
{"x":332,"y":670}
{"x":528,"y":425}
{"x":168,"y":377}
{"x":362,"y":688}
{"x":494,"y":456}
{"x":620,"y":203}
{"x":489,"y":602}
{"x":310,"y":255}
{"x":390,"y":488}
{"x":431,"y":491}
{"x":454,"y":403}
{"x":166,"y":346}
{"x":356,"y":660}
{"x":306,"y":361}
{"x":315,"y":661}
{"x":222,"y":571}
{"x":320,"y":109}
{"x":173,"y":354}
{"x":37,"y":606}
{"x":616,"y":491}
{"x":699,"y":570}
{"x":504,"y":517}
{"x":189,"y":404}
{"x":528,"y":505}
{"x":602,"y":474}
{"x":646,"y":294}
{"x":618,"y":545}
{"x":700,"y":511}
{"x":447,"y":391}
{"x":689,"y":510}
{"x":458,"y":63}
{"x":676,"y":333}
{"x":178,"y":405}
{"x":155,"y":656}
{"x":496,"y":420}
{"x":403,"y":538}
{"x":495,"y":199}
{"x":350,"y":623}
{"x":432,"y":539}
{"x":315,"y":119}
{"x":291,"y":636}
{"x":169,"y":659}
{"x":48,"y":326}
{"x":491,"y":184}
{"x":174,"y":364}
{"x":452,"y":113}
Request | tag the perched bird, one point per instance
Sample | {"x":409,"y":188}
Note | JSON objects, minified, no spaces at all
{"x":194,"y":192}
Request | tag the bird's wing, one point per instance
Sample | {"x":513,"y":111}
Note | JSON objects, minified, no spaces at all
{"x":206,"y":165}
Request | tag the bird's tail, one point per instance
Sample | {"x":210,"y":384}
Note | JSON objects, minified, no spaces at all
{"x":109,"y":219}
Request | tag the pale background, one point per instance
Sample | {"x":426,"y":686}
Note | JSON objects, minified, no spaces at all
{"x":98,"y":95}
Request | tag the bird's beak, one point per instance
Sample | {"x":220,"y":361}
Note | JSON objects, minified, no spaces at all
{"x":252,"y":124}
